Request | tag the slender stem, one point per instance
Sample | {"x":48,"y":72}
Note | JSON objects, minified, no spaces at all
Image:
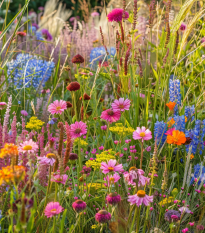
{"x":133,"y":221}
{"x":141,"y":156}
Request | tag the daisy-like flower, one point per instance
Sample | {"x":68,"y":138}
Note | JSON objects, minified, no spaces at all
{"x":139,"y":198}
{"x":112,"y":179}
{"x":136,"y":174}
{"x":52,"y":209}
{"x":110,"y":115}
{"x":49,"y":159}
{"x":177,"y":138}
{"x":59,"y":178}
{"x":78,"y":129}
{"x":111,"y":167}
{"x":121,"y":105}
{"x":57,"y":107}
{"x":142,"y":133}
{"x":117,"y":15}
{"x":185,"y":210}
{"x":28,"y":146}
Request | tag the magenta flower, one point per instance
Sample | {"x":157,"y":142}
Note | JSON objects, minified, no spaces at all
{"x":203,"y":40}
{"x":59,"y":178}
{"x":57,"y":107}
{"x":79,"y":206}
{"x":46,"y":34}
{"x":111,"y":167}
{"x":117,"y":15}
{"x":28,"y":146}
{"x":101,"y":148}
{"x":113,"y":198}
{"x":185,"y":210}
{"x":191,"y":224}
{"x":142,"y":133}
{"x":182,"y":27}
{"x":104,"y":127}
{"x":139,"y":198}
{"x":103,"y":216}
{"x":142,"y":95}
{"x":148,"y":149}
{"x":185,"y":230}
{"x":2,"y":105}
{"x":121,"y":105}
{"x":112,"y":179}
{"x":110,"y":115}
{"x":169,"y":131}
{"x":78,"y":129}
{"x":24,"y":113}
{"x":46,"y":161}
{"x":52,"y":209}
{"x":136,"y":174}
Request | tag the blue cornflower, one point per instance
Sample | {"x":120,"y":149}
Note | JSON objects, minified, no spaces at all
{"x":179,"y":123}
{"x":98,"y":53}
{"x":199,"y":173}
{"x":189,"y":112}
{"x":34,"y":70}
{"x":160,"y":129}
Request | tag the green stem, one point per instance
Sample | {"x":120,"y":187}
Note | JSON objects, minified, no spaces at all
{"x":133,"y":221}
{"x":141,"y":156}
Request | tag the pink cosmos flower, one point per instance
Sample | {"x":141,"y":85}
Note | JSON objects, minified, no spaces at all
{"x":52,"y":209}
{"x":57,"y":107}
{"x":78,"y":129}
{"x":28,"y":146}
{"x":117,"y":15}
{"x":112,"y":179}
{"x":24,"y":113}
{"x":46,"y":161}
{"x":111,"y":167}
{"x":59,"y":178}
{"x":2,"y":105}
{"x":185,"y":230}
{"x":139,"y":198}
{"x":121,"y":105}
{"x":182,"y":27}
{"x":170,"y":131}
{"x":142,"y":133}
{"x":95,"y":14}
{"x":110,"y":115}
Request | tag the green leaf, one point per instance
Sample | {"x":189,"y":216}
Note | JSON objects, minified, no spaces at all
{"x":155,"y":73}
{"x":63,"y":221}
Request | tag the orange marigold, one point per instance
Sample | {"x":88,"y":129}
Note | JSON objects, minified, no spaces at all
{"x":177,"y":138}
{"x":171,"y":105}
{"x":12,"y":174}
{"x":10,"y":150}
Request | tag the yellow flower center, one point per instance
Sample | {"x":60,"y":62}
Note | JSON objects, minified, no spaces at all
{"x":110,"y":169}
{"x":58,"y":108}
{"x":132,"y":168}
{"x":112,"y":180}
{"x":142,"y":134}
{"x":28,"y":147}
{"x":141,"y":193}
{"x":51,"y":156}
{"x":53,"y":210}
{"x":59,"y":179}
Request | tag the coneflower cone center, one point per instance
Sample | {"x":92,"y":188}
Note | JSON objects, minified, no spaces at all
{"x":51,"y":156}
{"x":142,"y":134}
{"x":77,"y":131}
{"x":110,"y":112}
{"x":132,"y":168}
{"x":141,"y":193}
{"x":28,"y":147}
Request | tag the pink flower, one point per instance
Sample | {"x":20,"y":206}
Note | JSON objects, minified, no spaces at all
{"x":101,"y":148}
{"x":95,"y":14}
{"x":139,"y":198}
{"x":113,"y":198}
{"x":148,"y":149}
{"x":52,"y":209}
{"x":28,"y":146}
{"x":112,"y":179}
{"x":21,"y":34}
{"x":79,"y":206}
{"x":46,"y":161}
{"x":78,"y":129}
{"x":2,"y":105}
{"x":170,"y":131}
{"x":57,"y":107}
{"x":142,"y":95}
{"x":24,"y":113}
{"x":117,"y":15}
{"x":104,"y":127}
{"x":59,"y":178}
{"x":184,"y":210}
{"x":103,"y":216}
{"x":121,"y":105}
{"x":110,"y":166}
{"x":136,"y":174}
{"x":142,"y":133}
{"x":182,"y":27}
{"x":191,"y":224}
{"x":110,"y":115}
{"x":185,"y":230}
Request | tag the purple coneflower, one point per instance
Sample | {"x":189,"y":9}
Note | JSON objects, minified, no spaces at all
{"x":121,"y":105}
{"x":139,"y":198}
{"x":111,"y":166}
{"x":78,"y":129}
{"x":52,"y":209}
{"x":110,"y":115}
{"x":57,"y":107}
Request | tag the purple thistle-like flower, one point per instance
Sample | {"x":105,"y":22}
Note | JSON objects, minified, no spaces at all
{"x":182,"y":27}
{"x":103,"y":216}
{"x":79,"y":206}
{"x":117,"y":15}
{"x":168,"y":215}
{"x":46,"y":34}
{"x":113,"y":198}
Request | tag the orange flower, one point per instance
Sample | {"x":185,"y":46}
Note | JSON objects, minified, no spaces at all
{"x":192,"y":156}
{"x":171,"y":122}
{"x":12,"y":174}
{"x":185,"y":119}
{"x":177,"y":138}
{"x":10,"y":150}
{"x":171,"y":105}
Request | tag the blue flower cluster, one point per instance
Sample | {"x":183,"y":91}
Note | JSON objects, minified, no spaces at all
{"x":35,"y":71}
{"x":39,"y":36}
{"x":160,"y":129}
{"x":179,"y":123}
{"x":189,"y":112}
{"x":98,"y":53}
{"x":199,"y":173}
{"x":175,"y":93}
{"x":197,"y":135}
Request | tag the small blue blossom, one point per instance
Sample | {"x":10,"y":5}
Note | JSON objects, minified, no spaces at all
{"x":175,"y":93}
{"x":98,"y":53}
{"x":189,"y":112}
{"x":51,"y":122}
{"x":199,"y":173}
{"x":179,"y":123}
{"x":160,"y":129}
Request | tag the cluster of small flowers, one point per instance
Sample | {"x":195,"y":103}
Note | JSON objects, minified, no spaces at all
{"x":35,"y":71}
{"x":175,"y":93}
{"x":199,"y":174}
{"x":189,"y":112}
{"x":160,"y":129}
{"x":180,"y":123}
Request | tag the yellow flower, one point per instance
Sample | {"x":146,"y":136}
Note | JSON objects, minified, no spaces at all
{"x":171,"y":122}
{"x":82,"y":142}
{"x":94,"y":226}
{"x":166,"y":201}
{"x":34,"y":123}
{"x":121,"y":130}
{"x":10,"y":150}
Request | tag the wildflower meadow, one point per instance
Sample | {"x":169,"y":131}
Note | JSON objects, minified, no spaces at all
{"x":102,"y":125}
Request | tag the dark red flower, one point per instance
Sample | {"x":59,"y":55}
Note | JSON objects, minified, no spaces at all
{"x":77,"y":59}
{"x":22,"y":34}
{"x":68,"y":104}
{"x":73,"y":156}
{"x":188,"y":141}
{"x":73,"y":86}
{"x":86,"y":97}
